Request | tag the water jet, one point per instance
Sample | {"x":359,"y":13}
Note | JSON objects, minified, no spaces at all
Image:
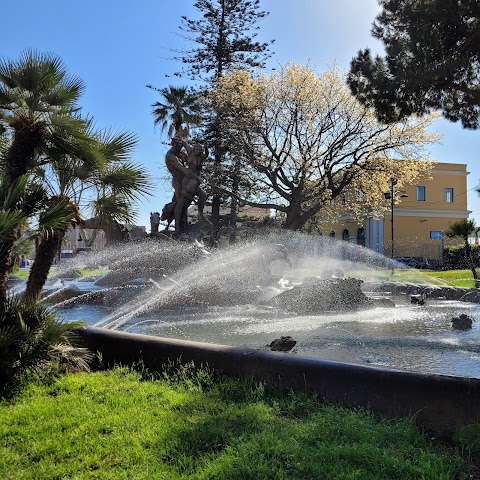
{"x":246,"y":296}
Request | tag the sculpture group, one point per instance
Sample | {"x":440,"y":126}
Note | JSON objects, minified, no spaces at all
{"x":184,"y":162}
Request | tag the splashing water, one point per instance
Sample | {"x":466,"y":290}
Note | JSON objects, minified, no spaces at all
{"x":224,"y":297}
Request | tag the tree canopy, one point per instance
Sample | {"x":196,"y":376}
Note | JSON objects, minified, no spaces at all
{"x":432,"y":61}
{"x":464,"y":229}
{"x":225,"y":38}
{"x":180,"y":106}
{"x":307,"y":140}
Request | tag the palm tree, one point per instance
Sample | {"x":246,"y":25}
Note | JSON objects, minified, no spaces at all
{"x":118,"y":186}
{"x":39,"y":109}
{"x":111,"y":189}
{"x":39,"y":113}
{"x":53,"y":223}
{"x":19,"y":200}
{"x":464,"y":229}
{"x":181,"y":106}
{"x":43,"y":134}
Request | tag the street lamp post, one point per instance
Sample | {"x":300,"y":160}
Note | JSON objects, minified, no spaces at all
{"x":391,"y":196}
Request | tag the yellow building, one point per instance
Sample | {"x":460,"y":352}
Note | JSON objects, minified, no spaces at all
{"x":421,"y":214}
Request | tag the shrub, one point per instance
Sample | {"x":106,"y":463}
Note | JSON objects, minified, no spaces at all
{"x":454,"y":257}
{"x":31,"y":339}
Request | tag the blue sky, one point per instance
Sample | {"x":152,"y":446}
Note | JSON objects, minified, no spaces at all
{"x":119,"y":46}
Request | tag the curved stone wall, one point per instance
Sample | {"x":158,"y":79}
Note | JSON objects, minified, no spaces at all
{"x":438,"y":402}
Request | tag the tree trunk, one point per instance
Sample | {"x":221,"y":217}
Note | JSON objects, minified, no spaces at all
{"x":232,"y":223}
{"x":218,"y":151}
{"x":296,"y":216}
{"x":234,"y":204}
{"x":20,"y":157}
{"x":6,"y":260}
{"x":41,"y":266}
{"x":471,"y":262}
{"x":216,"y":200}
{"x":215,"y":218}
{"x":293,"y":222}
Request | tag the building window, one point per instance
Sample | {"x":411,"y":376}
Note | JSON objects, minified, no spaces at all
{"x":332,"y":234}
{"x":346,"y":235}
{"x":420,"y":194}
{"x":449,"y":195}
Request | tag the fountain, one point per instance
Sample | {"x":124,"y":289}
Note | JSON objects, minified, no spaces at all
{"x":331,"y":297}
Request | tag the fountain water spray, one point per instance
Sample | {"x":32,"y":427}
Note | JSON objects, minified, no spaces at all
{"x":226,"y":297}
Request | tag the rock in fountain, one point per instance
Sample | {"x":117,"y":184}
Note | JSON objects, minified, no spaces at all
{"x":324,"y":295}
{"x":418,"y":299}
{"x":62,"y":294}
{"x":462,"y":322}
{"x":282,"y":344}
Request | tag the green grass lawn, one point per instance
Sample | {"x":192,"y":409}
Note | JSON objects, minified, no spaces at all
{"x":23,"y":274}
{"x":453,"y":278}
{"x":81,"y":272}
{"x":113,"y":425}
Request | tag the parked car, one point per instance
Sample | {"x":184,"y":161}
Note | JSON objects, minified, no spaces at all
{"x":80,"y":251}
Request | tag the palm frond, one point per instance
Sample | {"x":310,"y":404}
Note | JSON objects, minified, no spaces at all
{"x":462,"y":228}
{"x":56,"y":218}
{"x":181,"y":106}
{"x":30,"y":337}
{"x":117,"y":146}
{"x":11,"y":192}
{"x":128,"y":180}
{"x":114,"y":209}
{"x":42,"y":76}
{"x":9,"y":219}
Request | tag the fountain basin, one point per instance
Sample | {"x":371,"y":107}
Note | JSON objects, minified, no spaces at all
{"x":409,"y":337}
{"x":228,"y":297}
{"x":438,"y":402}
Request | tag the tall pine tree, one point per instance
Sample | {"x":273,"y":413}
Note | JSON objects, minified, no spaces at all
{"x":225,"y":39}
{"x":432,"y":61}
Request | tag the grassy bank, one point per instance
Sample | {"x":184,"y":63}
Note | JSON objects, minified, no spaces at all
{"x":452,"y":278}
{"x":193,"y":426}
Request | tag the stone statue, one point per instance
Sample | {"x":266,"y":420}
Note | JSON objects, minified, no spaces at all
{"x":154,"y":221}
{"x":191,"y":187}
{"x":186,"y":170}
{"x":168,"y":213}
